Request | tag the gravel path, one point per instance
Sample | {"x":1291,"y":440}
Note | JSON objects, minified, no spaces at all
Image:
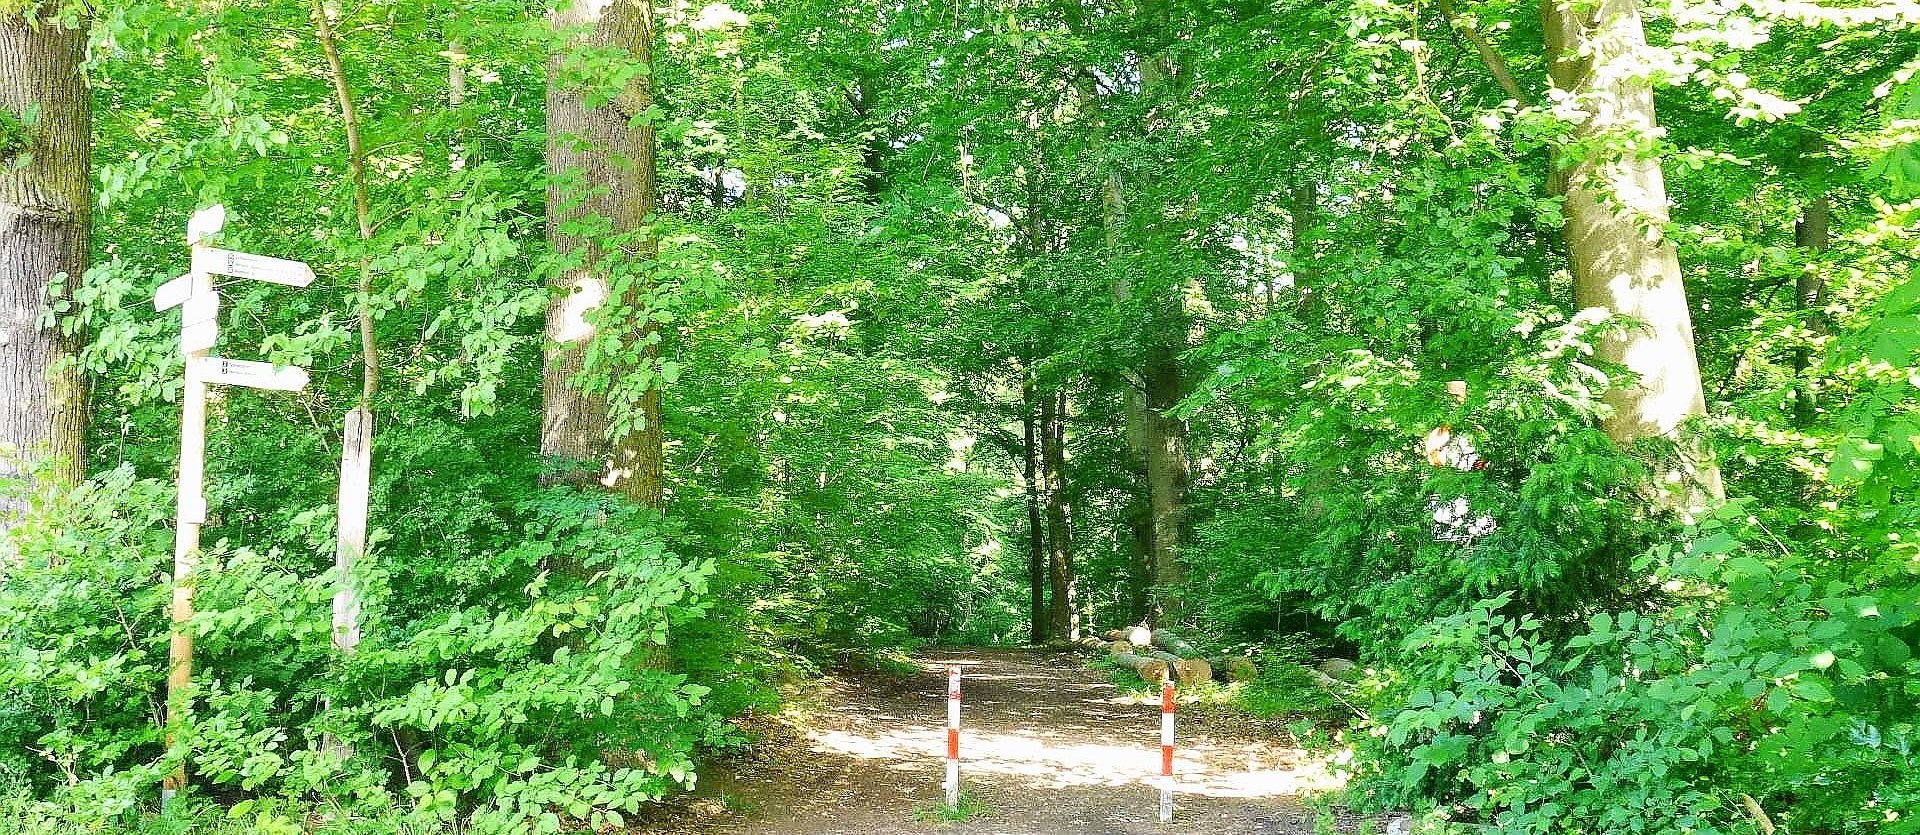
{"x":1048,"y":747}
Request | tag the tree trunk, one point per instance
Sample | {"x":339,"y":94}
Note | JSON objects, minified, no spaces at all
{"x":602,"y":160}
{"x":1167,"y":478}
{"x":1812,"y":233}
{"x":45,"y":213}
{"x":1161,"y":438}
{"x":1616,"y":211}
{"x":1139,"y":522}
{"x":1063,"y":612}
{"x":1302,"y":209}
{"x":356,"y":443}
{"x":1036,"y":534}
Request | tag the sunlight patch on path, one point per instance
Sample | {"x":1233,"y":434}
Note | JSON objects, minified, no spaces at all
{"x":1048,"y":761}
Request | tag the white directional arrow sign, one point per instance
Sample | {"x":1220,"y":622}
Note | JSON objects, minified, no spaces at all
{"x":173,"y":292}
{"x":247,"y":265}
{"x":199,"y":322}
{"x":199,"y":305}
{"x":206,"y":223}
{"x":259,"y":375}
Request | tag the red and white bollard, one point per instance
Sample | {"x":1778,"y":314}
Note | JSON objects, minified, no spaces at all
{"x":1167,"y":711}
{"x":953,"y":736}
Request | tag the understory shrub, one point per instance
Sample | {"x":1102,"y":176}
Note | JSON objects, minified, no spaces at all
{"x":542,"y":696}
{"x":1783,"y":698}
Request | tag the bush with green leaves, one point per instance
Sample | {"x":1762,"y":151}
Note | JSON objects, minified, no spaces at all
{"x":542,"y":696}
{"x":1756,"y":689}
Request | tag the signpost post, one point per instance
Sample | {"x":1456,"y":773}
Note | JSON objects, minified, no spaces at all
{"x":199,"y":307}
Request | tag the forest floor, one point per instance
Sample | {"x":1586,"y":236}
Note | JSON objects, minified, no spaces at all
{"x":1048,"y":747}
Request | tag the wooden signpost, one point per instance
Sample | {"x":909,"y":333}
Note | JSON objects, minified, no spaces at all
{"x":199,"y":307}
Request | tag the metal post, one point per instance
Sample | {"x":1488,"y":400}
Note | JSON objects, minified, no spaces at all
{"x":953,"y":736}
{"x":1167,"y":711}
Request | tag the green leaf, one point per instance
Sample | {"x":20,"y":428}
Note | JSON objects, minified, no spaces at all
{"x":1854,"y":460}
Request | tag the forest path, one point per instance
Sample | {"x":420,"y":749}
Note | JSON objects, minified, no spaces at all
{"x":1048,"y":747}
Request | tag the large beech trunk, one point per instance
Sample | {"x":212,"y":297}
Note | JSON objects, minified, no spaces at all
{"x":1616,"y":211}
{"x":45,"y":212}
{"x":602,"y":160}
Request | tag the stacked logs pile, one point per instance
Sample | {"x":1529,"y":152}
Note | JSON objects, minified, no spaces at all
{"x":1156,"y":654}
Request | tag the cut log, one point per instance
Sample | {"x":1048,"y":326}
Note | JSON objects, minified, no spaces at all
{"x":1338,"y":669}
{"x":1090,"y":642}
{"x":1187,"y":670}
{"x":1327,"y":682}
{"x":1139,"y":636}
{"x":1193,"y":670}
{"x":1120,"y":646}
{"x":1172,"y":643}
{"x":1152,"y":670}
{"x":1237,"y":668}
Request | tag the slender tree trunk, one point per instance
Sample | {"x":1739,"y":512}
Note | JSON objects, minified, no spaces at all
{"x":456,"y":73}
{"x":1303,"y":206}
{"x":1812,"y":233}
{"x":1063,"y":612}
{"x":45,"y":214}
{"x":602,"y":164}
{"x":1036,"y":534}
{"x":356,"y":446}
{"x":1616,"y":210}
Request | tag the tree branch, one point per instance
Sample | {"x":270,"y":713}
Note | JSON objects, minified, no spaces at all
{"x":1496,"y":64}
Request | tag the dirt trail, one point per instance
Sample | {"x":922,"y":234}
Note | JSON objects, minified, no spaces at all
{"x":1048,"y":747}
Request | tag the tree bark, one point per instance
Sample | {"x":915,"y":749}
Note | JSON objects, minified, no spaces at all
{"x":1496,"y":64}
{"x":1036,"y":534}
{"x":1164,"y":73}
{"x":1139,"y":522}
{"x":1170,"y":642}
{"x":1616,"y":214}
{"x":1812,"y":233}
{"x":1303,"y":207}
{"x":1167,"y":477}
{"x":45,"y":214}
{"x":1063,"y":610}
{"x":602,"y":161}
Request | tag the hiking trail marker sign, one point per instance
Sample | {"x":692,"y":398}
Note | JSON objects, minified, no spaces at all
{"x":199,"y":305}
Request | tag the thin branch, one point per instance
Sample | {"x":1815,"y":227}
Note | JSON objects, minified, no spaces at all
{"x":1496,"y":64}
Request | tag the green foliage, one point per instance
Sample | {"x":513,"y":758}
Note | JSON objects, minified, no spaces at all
{"x":1788,"y":689}
{"x":885,"y":233}
{"x":967,"y":808}
{"x":500,"y":708}
{"x":16,"y":132}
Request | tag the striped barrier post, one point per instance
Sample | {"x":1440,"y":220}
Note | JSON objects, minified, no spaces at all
{"x":1167,"y":711}
{"x":953,"y":736}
